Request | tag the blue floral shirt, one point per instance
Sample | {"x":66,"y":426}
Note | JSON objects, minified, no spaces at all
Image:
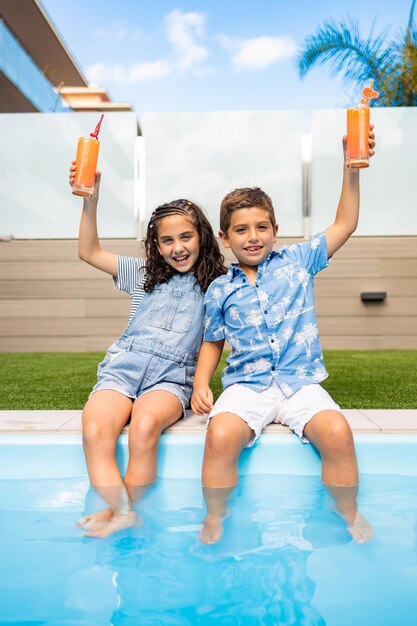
{"x":270,"y":325}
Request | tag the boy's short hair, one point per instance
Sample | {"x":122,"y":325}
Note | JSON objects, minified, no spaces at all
{"x":245,"y":198}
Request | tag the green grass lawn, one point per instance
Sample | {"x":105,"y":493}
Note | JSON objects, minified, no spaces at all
{"x":376,"y":379}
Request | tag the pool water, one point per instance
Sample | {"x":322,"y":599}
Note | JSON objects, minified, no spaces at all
{"x":285,"y":557}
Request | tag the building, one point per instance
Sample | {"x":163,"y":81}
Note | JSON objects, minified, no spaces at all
{"x":38,"y":72}
{"x":91,"y":98}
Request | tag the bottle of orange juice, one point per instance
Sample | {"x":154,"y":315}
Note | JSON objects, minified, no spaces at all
{"x":358,"y":120}
{"x":86,"y":163}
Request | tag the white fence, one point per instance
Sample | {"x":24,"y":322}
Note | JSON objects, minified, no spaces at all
{"x":35,"y":155}
{"x":202,"y":156}
{"x":388,"y":187}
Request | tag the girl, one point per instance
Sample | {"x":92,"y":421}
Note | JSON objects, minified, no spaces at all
{"x":147,"y":374}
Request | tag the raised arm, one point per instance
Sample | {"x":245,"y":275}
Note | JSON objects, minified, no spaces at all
{"x":89,"y":249}
{"x":208,"y":360}
{"x":347,"y":213}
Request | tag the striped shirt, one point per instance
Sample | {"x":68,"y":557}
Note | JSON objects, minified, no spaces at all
{"x":131,"y":278}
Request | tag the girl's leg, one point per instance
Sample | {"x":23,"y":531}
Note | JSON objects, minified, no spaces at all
{"x":151,"y":414}
{"x":330,"y":433}
{"x":227,"y":435}
{"x":104,"y":416}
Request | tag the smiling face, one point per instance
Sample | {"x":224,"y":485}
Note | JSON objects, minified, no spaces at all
{"x":250,"y":236}
{"x":178,"y":242}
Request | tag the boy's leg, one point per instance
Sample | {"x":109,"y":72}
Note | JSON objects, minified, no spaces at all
{"x":104,"y":416}
{"x":227,"y":435}
{"x":151,"y":414}
{"x":330,"y":433}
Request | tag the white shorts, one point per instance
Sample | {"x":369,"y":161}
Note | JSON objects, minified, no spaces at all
{"x":260,"y":408}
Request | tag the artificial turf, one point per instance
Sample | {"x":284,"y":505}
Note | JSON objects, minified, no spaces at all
{"x":372,"y":379}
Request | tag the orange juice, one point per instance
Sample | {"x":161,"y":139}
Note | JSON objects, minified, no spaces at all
{"x":357,"y":136}
{"x":86,"y":164}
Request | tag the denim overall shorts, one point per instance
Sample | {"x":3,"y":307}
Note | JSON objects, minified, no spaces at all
{"x":158,"y":349}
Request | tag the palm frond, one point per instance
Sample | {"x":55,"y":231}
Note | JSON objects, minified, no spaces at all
{"x":400,"y":84}
{"x":410,"y":19}
{"x":341,"y":46}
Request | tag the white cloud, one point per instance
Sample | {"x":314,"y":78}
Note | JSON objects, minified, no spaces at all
{"x":101,"y":73}
{"x":259,"y":52}
{"x":148,"y":70}
{"x":118,"y":31}
{"x":183,"y":28}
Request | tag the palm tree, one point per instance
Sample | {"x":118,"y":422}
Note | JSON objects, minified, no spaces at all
{"x":254,"y":318}
{"x":393,"y":64}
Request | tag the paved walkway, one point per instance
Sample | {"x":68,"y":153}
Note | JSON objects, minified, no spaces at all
{"x":361,"y":421}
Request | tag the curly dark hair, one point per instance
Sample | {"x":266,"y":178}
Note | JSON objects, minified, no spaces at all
{"x":210,"y":262}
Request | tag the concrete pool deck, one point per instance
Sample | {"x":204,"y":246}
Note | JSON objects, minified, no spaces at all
{"x":371,"y":421}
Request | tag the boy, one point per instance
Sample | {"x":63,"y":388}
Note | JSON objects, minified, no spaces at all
{"x":264,"y":307}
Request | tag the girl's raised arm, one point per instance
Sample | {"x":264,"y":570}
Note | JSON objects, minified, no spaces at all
{"x":89,"y":249}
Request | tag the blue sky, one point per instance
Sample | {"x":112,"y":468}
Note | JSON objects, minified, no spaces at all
{"x":212,"y":55}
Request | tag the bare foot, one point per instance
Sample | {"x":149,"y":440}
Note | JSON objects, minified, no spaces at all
{"x":360,"y":529}
{"x":94,"y":521}
{"x":345,"y":498}
{"x":211,"y":530}
{"x":116,"y":522}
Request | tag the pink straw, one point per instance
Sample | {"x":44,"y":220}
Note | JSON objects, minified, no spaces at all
{"x":97,"y":129}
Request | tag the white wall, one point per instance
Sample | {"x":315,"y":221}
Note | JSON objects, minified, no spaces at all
{"x":36,"y":150}
{"x":203,"y":156}
{"x":388,"y":186}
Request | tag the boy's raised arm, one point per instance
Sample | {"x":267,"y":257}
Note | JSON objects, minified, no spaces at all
{"x":89,"y":249}
{"x":347,"y":213}
{"x":208,"y":360}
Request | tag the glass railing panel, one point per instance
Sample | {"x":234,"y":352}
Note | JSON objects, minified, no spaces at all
{"x":220,"y":151}
{"x":388,"y":207}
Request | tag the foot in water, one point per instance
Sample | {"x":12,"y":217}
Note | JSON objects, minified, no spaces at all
{"x":360,"y":529}
{"x":94,"y":521}
{"x":212,"y":528}
{"x":345,"y":499}
{"x":105,"y":523}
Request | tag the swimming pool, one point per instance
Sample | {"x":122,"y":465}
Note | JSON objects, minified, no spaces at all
{"x":285,"y":557}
